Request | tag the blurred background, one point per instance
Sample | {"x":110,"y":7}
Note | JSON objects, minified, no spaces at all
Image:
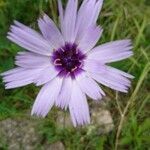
{"x":119,"y":121}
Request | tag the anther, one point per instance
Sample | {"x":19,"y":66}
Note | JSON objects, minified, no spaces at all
{"x":62,"y":49}
{"x":67,"y":74}
{"x":77,"y":51}
{"x":73,"y":69}
{"x":81,"y":64}
{"x":57,"y":62}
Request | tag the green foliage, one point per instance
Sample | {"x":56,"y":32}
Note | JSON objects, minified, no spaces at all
{"x":136,"y":135}
{"x":120,"y":19}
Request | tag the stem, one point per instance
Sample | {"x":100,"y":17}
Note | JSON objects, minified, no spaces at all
{"x":118,"y":105}
{"x":131,"y":100}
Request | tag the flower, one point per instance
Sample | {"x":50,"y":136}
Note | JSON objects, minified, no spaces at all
{"x":66,"y":61}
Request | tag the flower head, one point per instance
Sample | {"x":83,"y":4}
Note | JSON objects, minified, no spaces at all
{"x":66,"y":61}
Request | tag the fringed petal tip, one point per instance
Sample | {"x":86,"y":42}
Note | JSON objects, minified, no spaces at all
{"x":38,"y":114}
{"x":78,"y":106}
{"x":29,"y":39}
{"x":112,"y":51}
{"x":77,"y":123}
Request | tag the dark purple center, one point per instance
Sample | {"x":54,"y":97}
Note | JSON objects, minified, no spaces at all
{"x":68,"y":60}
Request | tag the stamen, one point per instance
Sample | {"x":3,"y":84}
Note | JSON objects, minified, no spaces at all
{"x":68,"y":74}
{"x":81,"y":64}
{"x":77,"y":51}
{"x":57,"y":62}
{"x":62,"y":49}
{"x":73,"y":69}
{"x":68,"y":58}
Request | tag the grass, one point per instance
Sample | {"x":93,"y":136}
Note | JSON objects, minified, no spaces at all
{"x":120,"y":19}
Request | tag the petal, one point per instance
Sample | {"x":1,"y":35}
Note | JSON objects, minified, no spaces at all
{"x":87,"y":16}
{"x":90,"y":38}
{"x":18,"y":83}
{"x":46,"y":75}
{"x":19,"y":77}
{"x":112,"y":51}
{"x":61,"y":14}
{"x":109,"y":82}
{"x":70,"y":21}
{"x":30,"y":40}
{"x":112,"y":78}
{"x":97,"y":10}
{"x":50,"y":31}
{"x":89,"y":86}
{"x":28,"y":30}
{"x":46,"y":97}
{"x":15,"y":70}
{"x":78,"y":106}
{"x":65,"y":94}
{"x":94,"y":66}
{"x":32,"y":60}
{"x":122,"y":73}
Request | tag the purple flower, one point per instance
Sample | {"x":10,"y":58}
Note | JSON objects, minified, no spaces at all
{"x":66,"y":61}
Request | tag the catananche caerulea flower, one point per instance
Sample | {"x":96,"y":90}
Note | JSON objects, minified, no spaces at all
{"x":66,"y":60}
